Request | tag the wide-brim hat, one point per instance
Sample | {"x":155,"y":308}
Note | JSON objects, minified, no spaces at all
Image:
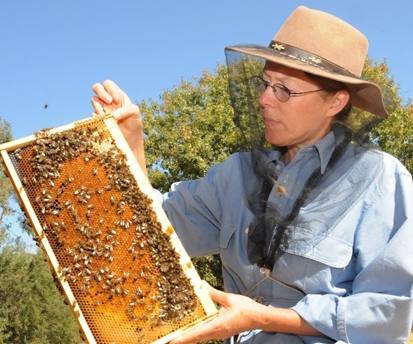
{"x":322,"y":44}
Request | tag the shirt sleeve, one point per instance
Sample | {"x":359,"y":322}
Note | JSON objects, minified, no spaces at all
{"x":195,"y":207}
{"x":379,"y":308}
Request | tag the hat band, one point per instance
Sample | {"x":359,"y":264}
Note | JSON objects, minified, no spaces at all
{"x":309,"y":58}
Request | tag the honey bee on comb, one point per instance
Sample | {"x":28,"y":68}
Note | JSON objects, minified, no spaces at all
{"x":113,"y":252}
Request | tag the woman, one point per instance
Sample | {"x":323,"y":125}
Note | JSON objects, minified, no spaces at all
{"x":314,"y":234}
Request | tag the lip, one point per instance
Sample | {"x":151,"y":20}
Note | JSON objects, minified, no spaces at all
{"x":270,"y":121}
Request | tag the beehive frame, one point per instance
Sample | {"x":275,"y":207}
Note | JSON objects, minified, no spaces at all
{"x":112,"y":250}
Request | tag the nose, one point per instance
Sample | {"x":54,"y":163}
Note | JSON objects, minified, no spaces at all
{"x":267,"y":98}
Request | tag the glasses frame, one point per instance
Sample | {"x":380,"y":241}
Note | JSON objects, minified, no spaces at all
{"x":279,"y":89}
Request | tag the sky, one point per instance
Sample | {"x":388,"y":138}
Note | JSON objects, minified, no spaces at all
{"x":52,"y":52}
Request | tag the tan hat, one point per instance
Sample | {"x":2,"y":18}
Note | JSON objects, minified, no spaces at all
{"x":322,"y":44}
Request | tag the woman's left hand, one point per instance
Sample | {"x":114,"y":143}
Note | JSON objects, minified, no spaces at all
{"x":238,"y":313}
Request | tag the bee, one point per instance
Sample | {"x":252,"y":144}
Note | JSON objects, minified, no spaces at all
{"x":139,"y":292}
{"x":97,"y":276}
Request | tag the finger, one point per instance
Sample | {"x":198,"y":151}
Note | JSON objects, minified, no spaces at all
{"x":215,"y":294}
{"x":201,"y":333}
{"x":126,"y":111}
{"x":98,"y":105}
{"x":102,"y":93}
{"x":113,"y":89}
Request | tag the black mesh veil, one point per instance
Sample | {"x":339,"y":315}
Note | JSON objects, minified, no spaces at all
{"x":324,"y":196}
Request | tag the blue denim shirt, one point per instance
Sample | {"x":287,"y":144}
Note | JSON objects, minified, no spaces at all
{"x":349,"y":268}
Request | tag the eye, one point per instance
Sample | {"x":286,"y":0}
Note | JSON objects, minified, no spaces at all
{"x":283,"y":88}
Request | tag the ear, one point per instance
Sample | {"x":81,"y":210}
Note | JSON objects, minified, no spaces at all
{"x":338,"y":102}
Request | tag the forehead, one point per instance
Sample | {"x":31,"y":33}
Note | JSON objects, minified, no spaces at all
{"x":282,"y":73}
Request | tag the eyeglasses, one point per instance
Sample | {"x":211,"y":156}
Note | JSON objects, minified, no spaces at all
{"x":281,"y":92}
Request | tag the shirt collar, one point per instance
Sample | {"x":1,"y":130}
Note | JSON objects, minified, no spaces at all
{"x":324,"y":148}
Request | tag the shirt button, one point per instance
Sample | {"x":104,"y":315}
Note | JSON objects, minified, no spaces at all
{"x":277,"y":167}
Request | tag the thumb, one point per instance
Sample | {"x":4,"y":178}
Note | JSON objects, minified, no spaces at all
{"x":215,"y":294}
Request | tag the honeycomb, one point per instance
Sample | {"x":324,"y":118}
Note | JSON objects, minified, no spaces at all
{"x":113,"y":253}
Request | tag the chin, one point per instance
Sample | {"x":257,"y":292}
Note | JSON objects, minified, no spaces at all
{"x":274,"y":138}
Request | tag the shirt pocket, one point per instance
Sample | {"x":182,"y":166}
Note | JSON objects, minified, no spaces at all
{"x":332,"y":251}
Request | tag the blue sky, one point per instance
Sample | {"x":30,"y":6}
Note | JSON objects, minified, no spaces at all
{"x":51,"y":52}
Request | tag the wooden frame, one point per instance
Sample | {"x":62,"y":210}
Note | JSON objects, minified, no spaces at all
{"x":68,"y":282}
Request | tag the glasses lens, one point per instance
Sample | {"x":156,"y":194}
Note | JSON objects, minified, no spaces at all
{"x":281,"y":93}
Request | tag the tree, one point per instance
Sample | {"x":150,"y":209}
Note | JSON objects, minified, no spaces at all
{"x":6,"y":188}
{"x":189,"y":130}
{"x":31,"y":308}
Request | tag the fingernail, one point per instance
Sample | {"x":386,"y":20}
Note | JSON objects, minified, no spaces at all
{"x":116,"y":114}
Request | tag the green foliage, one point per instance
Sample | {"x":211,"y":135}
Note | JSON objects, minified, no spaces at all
{"x":395,"y":135}
{"x":190,"y":129}
{"x":31,"y":308}
{"x":6,"y":188}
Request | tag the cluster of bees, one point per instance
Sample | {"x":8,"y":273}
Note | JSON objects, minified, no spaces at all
{"x":109,"y":245}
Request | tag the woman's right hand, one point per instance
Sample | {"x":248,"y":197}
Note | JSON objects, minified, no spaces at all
{"x":110,"y":98}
